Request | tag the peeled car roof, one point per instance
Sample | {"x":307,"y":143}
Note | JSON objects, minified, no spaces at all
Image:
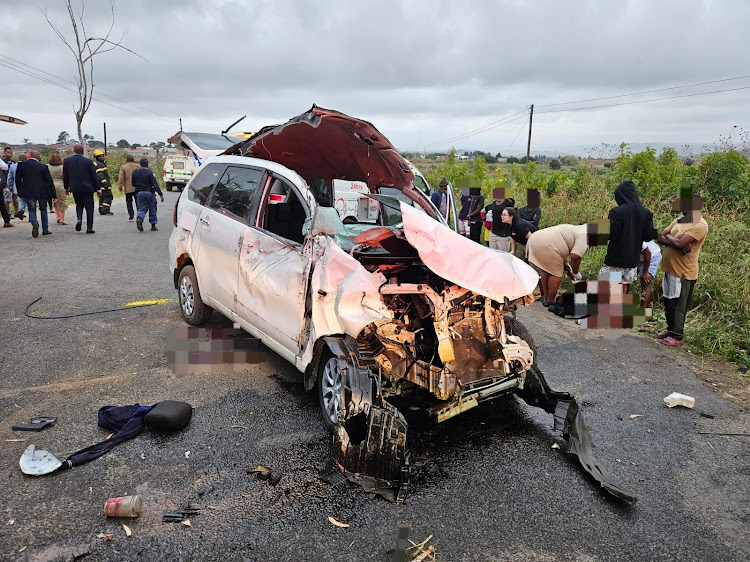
{"x":324,"y":143}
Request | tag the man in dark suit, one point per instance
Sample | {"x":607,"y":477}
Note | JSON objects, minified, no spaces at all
{"x":34,"y":184}
{"x":79,"y":178}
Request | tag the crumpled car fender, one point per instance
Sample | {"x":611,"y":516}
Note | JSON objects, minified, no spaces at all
{"x":345,"y":295}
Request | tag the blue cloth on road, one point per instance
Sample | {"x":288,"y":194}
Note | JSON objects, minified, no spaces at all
{"x":125,"y":421}
{"x":146,"y":201}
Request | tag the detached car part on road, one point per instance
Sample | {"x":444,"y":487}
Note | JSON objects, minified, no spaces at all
{"x":403,"y":307}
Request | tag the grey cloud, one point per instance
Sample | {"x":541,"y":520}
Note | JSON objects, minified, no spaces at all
{"x":422,"y":69}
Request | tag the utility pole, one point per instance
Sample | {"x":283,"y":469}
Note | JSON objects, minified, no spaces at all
{"x":105,"y":140}
{"x":528,"y":145}
{"x":180,"y":123}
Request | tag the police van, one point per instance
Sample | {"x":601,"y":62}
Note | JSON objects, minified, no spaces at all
{"x":177,"y":171}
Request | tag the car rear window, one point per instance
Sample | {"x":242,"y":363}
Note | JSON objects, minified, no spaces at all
{"x":178,"y":165}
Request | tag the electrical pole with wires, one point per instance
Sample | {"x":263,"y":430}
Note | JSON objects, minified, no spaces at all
{"x":528,"y":145}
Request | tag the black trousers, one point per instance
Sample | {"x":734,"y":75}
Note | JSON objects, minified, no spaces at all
{"x":105,"y":202}
{"x":85,"y":201}
{"x":4,"y":211}
{"x":475,"y":231}
{"x":129,"y":198}
{"x":675,"y":310}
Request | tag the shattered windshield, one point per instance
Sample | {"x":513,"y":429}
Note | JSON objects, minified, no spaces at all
{"x":326,"y":222}
{"x":391,"y":210}
{"x":209,"y":141}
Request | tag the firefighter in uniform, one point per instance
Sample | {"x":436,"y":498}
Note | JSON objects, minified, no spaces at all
{"x":103,"y":183}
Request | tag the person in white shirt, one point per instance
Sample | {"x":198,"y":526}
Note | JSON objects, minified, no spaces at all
{"x":647,"y":266}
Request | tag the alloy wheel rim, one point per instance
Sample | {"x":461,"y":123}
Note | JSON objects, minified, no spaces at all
{"x":187,"y":297}
{"x":331,"y":389}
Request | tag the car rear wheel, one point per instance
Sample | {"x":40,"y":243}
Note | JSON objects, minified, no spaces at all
{"x":329,"y":389}
{"x":193,"y":309}
{"x":169,"y":186}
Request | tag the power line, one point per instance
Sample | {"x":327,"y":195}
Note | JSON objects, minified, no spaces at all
{"x":31,"y":74}
{"x":645,"y":92}
{"x":518,"y":133}
{"x":484,"y":128}
{"x":75,"y":84}
{"x":646,"y":101}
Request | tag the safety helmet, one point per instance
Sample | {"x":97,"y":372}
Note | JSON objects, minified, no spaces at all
{"x":98,"y":152}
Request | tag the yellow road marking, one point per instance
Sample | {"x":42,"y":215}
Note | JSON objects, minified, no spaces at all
{"x":147,"y":302}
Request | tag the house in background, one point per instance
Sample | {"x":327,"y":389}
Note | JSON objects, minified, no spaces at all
{"x":142,"y":152}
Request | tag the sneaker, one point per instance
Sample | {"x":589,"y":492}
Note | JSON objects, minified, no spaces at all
{"x":130,"y":219}
{"x":35,"y":230}
{"x":18,"y":215}
{"x":139,"y":224}
{"x":46,"y":233}
{"x":670,"y":341}
{"x":78,"y":227}
{"x":153,"y":227}
{"x":8,"y":225}
{"x":662,"y":335}
{"x":92,"y":231}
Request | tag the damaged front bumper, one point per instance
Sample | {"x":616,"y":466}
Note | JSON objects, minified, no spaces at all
{"x":369,"y":444}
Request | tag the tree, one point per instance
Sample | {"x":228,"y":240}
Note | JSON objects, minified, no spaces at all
{"x":63,"y":138}
{"x":554,"y":164}
{"x":84,"y":50}
{"x":87,"y":139}
{"x":498,"y":156}
{"x":122,"y":143}
{"x":512,"y":160}
{"x":135,"y":145}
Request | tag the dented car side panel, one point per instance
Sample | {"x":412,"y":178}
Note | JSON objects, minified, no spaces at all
{"x":272,"y":286}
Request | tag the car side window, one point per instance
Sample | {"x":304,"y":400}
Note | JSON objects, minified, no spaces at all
{"x":234,"y":191}
{"x":203,"y":183}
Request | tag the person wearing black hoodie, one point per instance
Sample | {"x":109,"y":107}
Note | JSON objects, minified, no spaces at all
{"x":630,"y":224}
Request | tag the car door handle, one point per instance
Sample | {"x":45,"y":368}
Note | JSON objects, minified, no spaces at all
{"x":205,"y":221}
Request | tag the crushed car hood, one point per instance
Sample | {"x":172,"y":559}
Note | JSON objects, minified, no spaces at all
{"x":323,"y":143}
{"x":492,"y":274}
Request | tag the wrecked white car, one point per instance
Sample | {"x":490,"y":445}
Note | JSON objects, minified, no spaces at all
{"x":368,"y":311}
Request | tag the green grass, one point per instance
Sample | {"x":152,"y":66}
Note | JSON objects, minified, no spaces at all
{"x":718,"y":323}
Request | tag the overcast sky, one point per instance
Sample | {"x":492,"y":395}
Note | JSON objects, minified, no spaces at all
{"x":423,"y":72}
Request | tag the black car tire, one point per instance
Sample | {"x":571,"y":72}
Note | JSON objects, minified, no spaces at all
{"x":193,"y":309}
{"x":325,"y":387}
{"x":168,"y":186}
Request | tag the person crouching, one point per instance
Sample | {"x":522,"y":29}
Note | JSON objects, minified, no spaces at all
{"x":146,"y":187}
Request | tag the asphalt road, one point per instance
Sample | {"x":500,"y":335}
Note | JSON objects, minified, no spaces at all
{"x":487,"y":485}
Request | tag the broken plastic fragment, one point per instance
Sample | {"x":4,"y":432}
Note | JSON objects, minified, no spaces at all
{"x":337,"y":523}
{"x":38,"y":461}
{"x":186,"y":522}
{"x":128,"y":532}
{"x":633,"y":416}
{"x":555,"y":446}
{"x":677,"y":399}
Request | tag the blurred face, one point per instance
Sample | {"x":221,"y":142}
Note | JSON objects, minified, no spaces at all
{"x":506,"y":218}
{"x":8,"y":153}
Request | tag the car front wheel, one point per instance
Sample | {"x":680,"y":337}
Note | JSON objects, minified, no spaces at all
{"x":329,"y":389}
{"x":193,"y":309}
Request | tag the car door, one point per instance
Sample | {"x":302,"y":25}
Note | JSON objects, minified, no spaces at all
{"x":222,"y":224}
{"x":274,"y":270}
